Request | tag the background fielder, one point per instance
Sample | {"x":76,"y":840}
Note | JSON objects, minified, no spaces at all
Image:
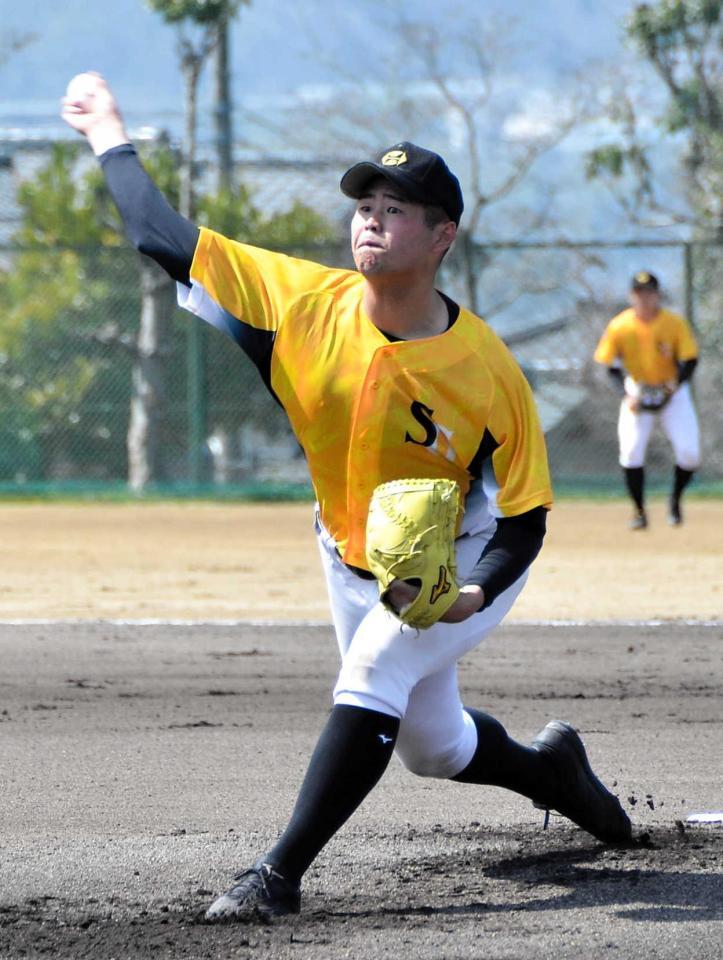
{"x":652,"y":353}
{"x":382,"y":377}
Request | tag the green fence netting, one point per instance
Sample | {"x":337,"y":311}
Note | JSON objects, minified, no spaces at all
{"x":89,"y":405}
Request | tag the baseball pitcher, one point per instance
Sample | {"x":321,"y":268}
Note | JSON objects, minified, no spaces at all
{"x":430,"y":473}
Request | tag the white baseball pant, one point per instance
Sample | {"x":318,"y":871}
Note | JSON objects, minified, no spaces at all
{"x":677,"y":418}
{"x":411,"y":674}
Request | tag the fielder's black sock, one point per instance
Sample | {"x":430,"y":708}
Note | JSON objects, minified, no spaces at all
{"x":500,"y":761}
{"x":350,"y":756}
{"x":681,"y":479}
{"x":635,"y":481}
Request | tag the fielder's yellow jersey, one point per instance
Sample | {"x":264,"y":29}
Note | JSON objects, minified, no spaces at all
{"x":648,"y":350}
{"x":364,"y":409}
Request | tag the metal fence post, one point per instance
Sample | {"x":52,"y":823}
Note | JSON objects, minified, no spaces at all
{"x":688,"y":279}
{"x":196,"y":401}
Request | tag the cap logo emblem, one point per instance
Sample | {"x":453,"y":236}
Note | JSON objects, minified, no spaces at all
{"x":394,"y":158}
{"x":642,"y":277}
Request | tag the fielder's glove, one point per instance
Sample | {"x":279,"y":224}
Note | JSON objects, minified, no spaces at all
{"x":411,"y":530}
{"x":647,"y":397}
{"x":654,"y":398}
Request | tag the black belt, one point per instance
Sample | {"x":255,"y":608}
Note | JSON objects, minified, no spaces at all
{"x":359,"y":571}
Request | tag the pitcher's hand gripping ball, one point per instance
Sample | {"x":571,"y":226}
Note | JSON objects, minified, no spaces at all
{"x":411,"y":530}
{"x":81,"y":88}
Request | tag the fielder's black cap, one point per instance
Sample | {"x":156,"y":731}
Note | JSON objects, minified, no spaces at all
{"x":644,"y":281}
{"x":420,"y":174}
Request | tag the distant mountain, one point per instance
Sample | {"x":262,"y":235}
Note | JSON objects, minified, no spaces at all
{"x":282,"y":52}
{"x":277,"y":46}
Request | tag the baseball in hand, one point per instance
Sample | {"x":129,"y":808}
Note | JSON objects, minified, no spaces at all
{"x":81,"y":88}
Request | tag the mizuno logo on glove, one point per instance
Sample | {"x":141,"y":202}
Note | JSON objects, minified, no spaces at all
{"x":441,"y":587}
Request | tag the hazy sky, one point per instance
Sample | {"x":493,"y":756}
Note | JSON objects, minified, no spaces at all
{"x":277,"y":45}
{"x":281,"y":46}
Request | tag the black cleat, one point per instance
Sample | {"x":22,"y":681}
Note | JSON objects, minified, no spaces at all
{"x":580,"y":796}
{"x":639,"y":520}
{"x":257,"y":893}
{"x":675,"y":516}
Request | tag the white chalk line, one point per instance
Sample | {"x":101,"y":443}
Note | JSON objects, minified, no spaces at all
{"x":161,"y":622}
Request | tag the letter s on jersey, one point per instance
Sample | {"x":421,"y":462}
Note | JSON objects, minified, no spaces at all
{"x":423,"y":415}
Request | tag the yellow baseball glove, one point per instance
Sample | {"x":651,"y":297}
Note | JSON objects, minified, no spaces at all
{"x":411,"y":530}
{"x":654,"y":397}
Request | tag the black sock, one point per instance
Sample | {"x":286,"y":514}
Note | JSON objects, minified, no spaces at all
{"x":635,"y":481}
{"x":350,"y":756}
{"x":681,"y":479}
{"x":502,"y":762}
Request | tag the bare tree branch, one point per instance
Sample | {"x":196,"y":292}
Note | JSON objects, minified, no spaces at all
{"x":12,"y":42}
{"x":524,"y":164}
{"x":490,"y":309}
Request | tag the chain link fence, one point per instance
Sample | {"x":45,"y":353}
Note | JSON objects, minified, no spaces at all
{"x":84,"y":399}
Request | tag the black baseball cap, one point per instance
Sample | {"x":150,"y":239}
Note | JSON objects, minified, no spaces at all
{"x":420,"y":174}
{"x":644,"y":281}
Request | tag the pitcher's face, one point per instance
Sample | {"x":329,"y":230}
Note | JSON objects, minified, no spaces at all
{"x":389,"y":234}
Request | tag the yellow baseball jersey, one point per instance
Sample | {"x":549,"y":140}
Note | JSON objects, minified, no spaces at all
{"x":649,"y":351}
{"x":366,"y":410}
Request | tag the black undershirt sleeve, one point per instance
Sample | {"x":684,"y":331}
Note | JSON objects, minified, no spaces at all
{"x":617,"y":378}
{"x":686,"y":368}
{"x":685,"y":372}
{"x":514,"y":545}
{"x":151,"y":224}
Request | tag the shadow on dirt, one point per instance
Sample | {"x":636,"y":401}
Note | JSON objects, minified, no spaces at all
{"x":668,"y":878}
{"x":649,"y":878}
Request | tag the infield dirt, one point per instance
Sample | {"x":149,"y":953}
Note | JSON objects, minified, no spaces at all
{"x":142,"y":765}
{"x":205,"y":561}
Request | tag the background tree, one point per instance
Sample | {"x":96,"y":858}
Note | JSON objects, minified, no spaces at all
{"x":149,"y":351}
{"x":201,"y":26}
{"x":69,"y":278}
{"x":70,"y":340}
{"x":223,"y":101}
{"x":681,"y":40}
{"x":448,"y":87}
{"x":466,"y":107}
{"x":93,"y":358}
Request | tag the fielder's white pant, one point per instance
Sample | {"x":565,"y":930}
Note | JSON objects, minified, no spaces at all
{"x":678,"y":420}
{"x":407,"y":673}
